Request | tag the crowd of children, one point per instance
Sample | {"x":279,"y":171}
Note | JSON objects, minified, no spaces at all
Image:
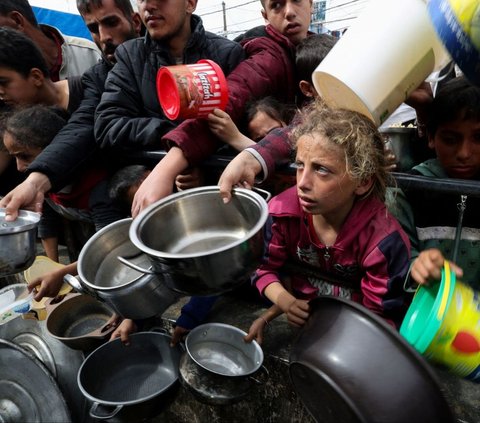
{"x":342,"y":221}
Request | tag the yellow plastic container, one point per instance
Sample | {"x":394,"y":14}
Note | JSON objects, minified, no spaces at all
{"x":443,"y":324}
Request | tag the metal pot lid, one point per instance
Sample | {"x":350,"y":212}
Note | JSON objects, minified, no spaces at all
{"x":25,"y":221}
{"x":28,"y":392}
{"x":211,"y":388}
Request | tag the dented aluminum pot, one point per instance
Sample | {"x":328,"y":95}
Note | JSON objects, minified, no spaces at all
{"x":130,"y":293}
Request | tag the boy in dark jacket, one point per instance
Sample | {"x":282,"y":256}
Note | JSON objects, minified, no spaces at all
{"x":129,"y":116}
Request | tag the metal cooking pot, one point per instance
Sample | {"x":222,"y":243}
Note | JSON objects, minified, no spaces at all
{"x":213,"y":389}
{"x":132,"y":382}
{"x":200,"y":245}
{"x":132,"y":294}
{"x":220,"y":349}
{"x":79,"y":321}
{"x":348,"y":365}
{"x":28,"y":391}
{"x":17,"y":242}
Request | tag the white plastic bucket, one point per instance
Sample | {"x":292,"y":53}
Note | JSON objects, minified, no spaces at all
{"x":387,"y":53}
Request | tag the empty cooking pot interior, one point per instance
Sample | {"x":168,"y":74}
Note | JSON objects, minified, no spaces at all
{"x":115,"y":374}
{"x":196,"y":222}
{"x":78,"y":316}
{"x":348,"y":364}
{"x":220,"y":349}
{"x":98,"y":264}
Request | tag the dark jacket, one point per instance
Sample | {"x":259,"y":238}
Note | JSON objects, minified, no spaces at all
{"x":129,"y":115}
{"x":268,"y":70}
{"x":74,"y":147}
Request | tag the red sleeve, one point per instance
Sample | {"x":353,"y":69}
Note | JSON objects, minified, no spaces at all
{"x":268,"y":70}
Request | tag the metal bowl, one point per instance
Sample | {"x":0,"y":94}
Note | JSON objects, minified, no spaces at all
{"x":200,"y":245}
{"x":220,"y":349}
{"x":17,"y":242}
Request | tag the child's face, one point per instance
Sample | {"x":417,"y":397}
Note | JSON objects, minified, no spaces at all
{"x":23,"y":155}
{"x":289,"y":17}
{"x":457,"y":145}
{"x":323,"y":185}
{"x":15,"y":89}
{"x":261,"y":125}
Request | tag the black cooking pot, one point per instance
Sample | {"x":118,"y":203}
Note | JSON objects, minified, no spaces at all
{"x":131,"y":383}
{"x":348,"y":365}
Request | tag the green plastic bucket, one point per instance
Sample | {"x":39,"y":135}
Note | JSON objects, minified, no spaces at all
{"x":443,"y":324}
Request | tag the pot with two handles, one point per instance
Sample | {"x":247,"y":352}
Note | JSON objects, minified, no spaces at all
{"x":130,"y":293}
{"x":198,"y":244}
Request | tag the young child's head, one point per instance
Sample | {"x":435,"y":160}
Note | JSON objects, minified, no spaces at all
{"x":289,"y":17}
{"x":22,"y":68}
{"x":28,"y":131}
{"x":453,"y":128}
{"x":124,"y":184}
{"x":266,"y":114}
{"x":339,"y":158}
{"x":308,"y":55}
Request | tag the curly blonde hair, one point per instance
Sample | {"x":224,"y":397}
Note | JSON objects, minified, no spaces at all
{"x":355,"y":134}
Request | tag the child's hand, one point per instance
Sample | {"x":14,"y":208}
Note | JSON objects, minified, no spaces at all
{"x":221,"y":124}
{"x":191,"y":178}
{"x":428,"y":266}
{"x":256,"y":330}
{"x":124,"y":330}
{"x":298,"y":312}
{"x":49,"y":283}
{"x":178,"y":335}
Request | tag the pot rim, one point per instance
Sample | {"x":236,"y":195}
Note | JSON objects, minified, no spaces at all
{"x":123,"y":403}
{"x":147,"y":212}
{"x":30,"y":219}
{"x":88,"y":246}
{"x":231,"y":328}
{"x":74,"y":298}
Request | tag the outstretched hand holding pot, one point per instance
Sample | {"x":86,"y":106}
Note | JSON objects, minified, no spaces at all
{"x":123,"y":331}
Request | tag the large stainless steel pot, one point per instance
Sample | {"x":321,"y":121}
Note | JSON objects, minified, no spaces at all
{"x":17,"y":242}
{"x":130,"y":293}
{"x":133,"y":382}
{"x":348,"y":365}
{"x":200,"y":245}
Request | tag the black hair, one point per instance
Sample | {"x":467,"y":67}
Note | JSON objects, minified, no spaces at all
{"x":123,"y":180}
{"x":20,"y":6}
{"x":36,"y":126}
{"x":271,"y":107}
{"x":310,"y":52}
{"x":84,"y":6}
{"x":19,"y":53}
{"x":456,"y":99}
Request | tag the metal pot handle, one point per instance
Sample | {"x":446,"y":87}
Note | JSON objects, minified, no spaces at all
{"x":135,"y":266}
{"x":264,"y":193}
{"x":96,"y":405}
{"x":78,"y":286}
{"x":258,"y":381}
